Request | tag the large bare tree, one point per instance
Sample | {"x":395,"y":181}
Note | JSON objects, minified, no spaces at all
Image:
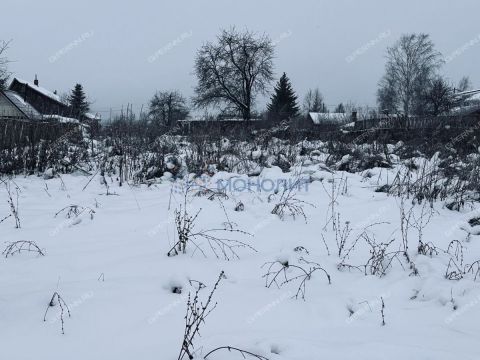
{"x":313,"y":102}
{"x":4,"y":74}
{"x":167,"y":107}
{"x":412,"y":63}
{"x":234,"y":70}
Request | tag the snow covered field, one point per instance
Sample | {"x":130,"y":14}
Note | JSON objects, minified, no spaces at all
{"x":111,"y":268}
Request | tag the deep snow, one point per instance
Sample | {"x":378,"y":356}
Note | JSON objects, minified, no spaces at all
{"x":113,"y":272}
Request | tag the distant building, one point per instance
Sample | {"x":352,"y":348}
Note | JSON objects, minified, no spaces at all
{"x":316,"y":121}
{"x":29,"y":101}
{"x":469,"y":103}
{"x":221,"y":123}
{"x":14,"y":107}
{"x":330,"y":118}
{"x":42,"y":100}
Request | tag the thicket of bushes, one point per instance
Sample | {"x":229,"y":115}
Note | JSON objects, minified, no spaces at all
{"x":133,"y":151}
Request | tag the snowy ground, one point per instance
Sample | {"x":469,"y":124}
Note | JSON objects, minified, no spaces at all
{"x":113,"y":272}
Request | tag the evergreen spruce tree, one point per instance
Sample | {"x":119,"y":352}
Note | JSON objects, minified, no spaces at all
{"x":78,"y":101}
{"x":283,"y":104}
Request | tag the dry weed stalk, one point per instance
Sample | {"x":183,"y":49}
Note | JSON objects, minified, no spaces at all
{"x":18,"y":247}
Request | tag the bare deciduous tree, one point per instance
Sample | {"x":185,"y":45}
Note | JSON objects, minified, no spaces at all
{"x":464,"y":84}
{"x":314,"y":102}
{"x":234,"y":70}
{"x":4,"y":74}
{"x":167,"y":107}
{"x":411,"y":64}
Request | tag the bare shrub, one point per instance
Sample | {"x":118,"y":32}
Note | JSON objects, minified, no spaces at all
{"x":342,"y":235}
{"x":13,"y":203}
{"x":281,"y":273}
{"x":474,"y":269}
{"x":405,"y":222}
{"x":333,"y":193}
{"x":455,"y":249}
{"x":63,"y":307}
{"x":5,"y":218}
{"x":74,"y":211}
{"x":455,"y":271}
{"x":197,"y":312}
{"x":382,"y":311}
{"x":18,"y":247}
{"x":244,"y":353}
{"x":409,"y":220}
{"x":420,"y":222}
{"x":212,"y":194}
{"x":219,"y":246}
{"x":289,"y":204}
{"x":380,"y":260}
{"x":455,"y":268}
{"x":343,"y":232}
{"x":438,"y":180}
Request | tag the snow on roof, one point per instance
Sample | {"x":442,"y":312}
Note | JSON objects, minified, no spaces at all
{"x":349,"y":125}
{"x":469,"y":93}
{"x":470,"y":103}
{"x":91,"y":116}
{"x":23,"y":106}
{"x":319,"y":118}
{"x":464,"y":110}
{"x":40,"y":89}
{"x":474,"y":97}
{"x":61,"y":119}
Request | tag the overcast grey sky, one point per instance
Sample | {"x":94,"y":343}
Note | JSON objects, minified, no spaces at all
{"x":339,"y":46}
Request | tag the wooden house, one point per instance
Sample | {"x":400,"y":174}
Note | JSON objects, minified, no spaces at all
{"x":29,"y":101}
{"x":43,"y":100}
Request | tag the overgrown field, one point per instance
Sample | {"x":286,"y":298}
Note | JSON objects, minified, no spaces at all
{"x":224,"y":248}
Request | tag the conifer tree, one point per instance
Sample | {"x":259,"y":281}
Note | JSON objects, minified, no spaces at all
{"x":78,"y":101}
{"x":283,"y":103}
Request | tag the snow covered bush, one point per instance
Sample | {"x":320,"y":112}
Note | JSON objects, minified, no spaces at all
{"x":282,"y":272}
{"x":213,"y":239}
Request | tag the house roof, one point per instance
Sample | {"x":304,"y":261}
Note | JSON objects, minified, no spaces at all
{"x":40,"y":89}
{"x":61,"y":119}
{"x":24,"y":107}
{"x":91,"y":116}
{"x":469,"y":94}
{"x":465,"y":110}
{"x":470,"y":103}
{"x":319,"y":118}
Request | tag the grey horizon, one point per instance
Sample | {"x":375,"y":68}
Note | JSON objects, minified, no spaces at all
{"x":123,"y":53}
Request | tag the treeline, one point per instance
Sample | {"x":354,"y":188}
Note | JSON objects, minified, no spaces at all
{"x":238,"y":67}
{"x":235,"y":69}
